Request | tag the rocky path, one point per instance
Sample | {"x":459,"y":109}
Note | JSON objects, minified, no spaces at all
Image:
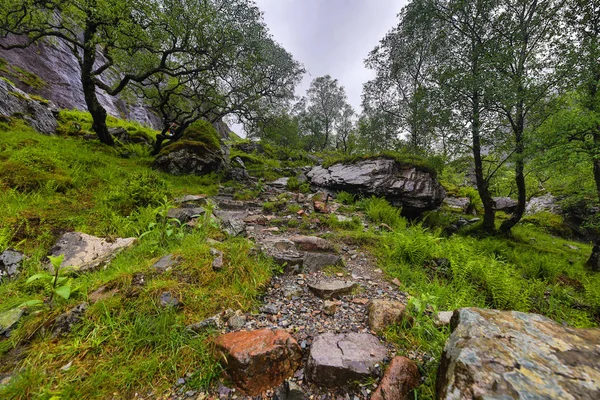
{"x":329,"y":301}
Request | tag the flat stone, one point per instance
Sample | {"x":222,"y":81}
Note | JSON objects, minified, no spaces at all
{"x":280,"y":183}
{"x":312,"y":243}
{"x":514,"y":355}
{"x":9,"y":319}
{"x":185,"y":214}
{"x":383,"y":313}
{"x":258,"y":360}
{"x":168,"y":300}
{"x":165,"y":263}
{"x":86,"y":252}
{"x":400,"y":379}
{"x":314,"y":262}
{"x":344,"y":359}
{"x":236,"y":322}
{"x":332,"y":289}
{"x":64,"y":323}
{"x":457,"y":203}
{"x":198,"y":199}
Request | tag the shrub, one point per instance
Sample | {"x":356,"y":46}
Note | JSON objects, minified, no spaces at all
{"x":345,"y":198}
{"x":293,"y":184}
{"x":380,"y":211}
{"x":144,"y":189}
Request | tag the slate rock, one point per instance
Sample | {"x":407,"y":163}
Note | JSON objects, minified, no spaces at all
{"x":86,"y":252}
{"x":458,"y":203}
{"x":217,"y":263}
{"x":443,"y":318}
{"x":185,"y":214}
{"x":344,"y":359}
{"x":312,"y":243}
{"x":165,"y":263}
{"x":400,"y":379}
{"x":332,"y":289}
{"x":314,"y":262}
{"x":168,"y":300}
{"x":546,"y":203}
{"x":196,"y":199}
{"x":64,"y":323}
{"x":14,"y":101}
{"x":258,"y":360}
{"x":280,"y":183}
{"x":10,"y":262}
{"x":505,"y":204}
{"x":413,"y":188}
{"x":383,"y":313}
{"x":509,"y":354}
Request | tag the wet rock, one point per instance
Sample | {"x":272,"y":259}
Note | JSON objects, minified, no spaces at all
{"x":185,"y":214}
{"x":9,"y":320}
{"x":443,"y":318}
{"x":332,"y":289}
{"x":165,"y":263}
{"x":258,"y":360}
{"x":85,"y":252}
{"x":342,"y":360}
{"x":400,"y":379}
{"x":168,"y":300}
{"x":10,"y":262}
{"x":413,"y":188}
{"x":64,"y":323}
{"x":312,"y":243}
{"x":14,"y":101}
{"x":505,"y":204}
{"x":313,"y":262}
{"x":509,"y":354}
{"x":383,"y":313}
{"x":460,"y":204}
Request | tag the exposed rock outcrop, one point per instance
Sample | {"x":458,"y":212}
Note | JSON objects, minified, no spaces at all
{"x":542,"y":203}
{"x":16,"y":103}
{"x":505,"y":204}
{"x":189,"y":158}
{"x":409,"y":187}
{"x":509,"y":354}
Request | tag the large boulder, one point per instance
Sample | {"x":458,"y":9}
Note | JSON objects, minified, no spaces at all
{"x":515,"y":355}
{"x":545,"y":203}
{"x":344,"y":359}
{"x":37,"y":113}
{"x":413,"y":188}
{"x":505,"y":204}
{"x":258,"y":360}
{"x":86,"y":252}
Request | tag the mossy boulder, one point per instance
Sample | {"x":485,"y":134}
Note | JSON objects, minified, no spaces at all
{"x":198,"y":152}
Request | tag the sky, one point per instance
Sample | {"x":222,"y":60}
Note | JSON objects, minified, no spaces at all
{"x":331,"y":36}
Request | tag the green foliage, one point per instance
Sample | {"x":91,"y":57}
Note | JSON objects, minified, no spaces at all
{"x":28,"y":78}
{"x":52,"y":281}
{"x":144,"y":189}
{"x":202,"y":131}
{"x":345,"y":198}
{"x":380,"y":211}
{"x":430,"y":165}
{"x":293,"y":184}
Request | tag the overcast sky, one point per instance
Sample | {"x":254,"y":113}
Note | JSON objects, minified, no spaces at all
{"x":331,"y":36}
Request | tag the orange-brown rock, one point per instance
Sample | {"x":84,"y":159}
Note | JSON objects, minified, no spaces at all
{"x":258,"y":360}
{"x":400,"y":379}
{"x":383,"y":313}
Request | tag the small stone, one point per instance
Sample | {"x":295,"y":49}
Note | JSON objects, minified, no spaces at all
{"x":443,"y":318}
{"x":9,"y":319}
{"x":236,"y":322}
{"x":168,"y":300}
{"x":330,"y":307}
{"x":332,"y":289}
{"x":400,"y":379}
{"x":64,"y":323}
{"x":217,"y":263}
{"x":383,"y":313}
{"x":396,"y":282}
{"x":312,"y":243}
{"x":180,"y":382}
{"x":184,"y":215}
{"x":270,"y":309}
{"x":165,"y":263}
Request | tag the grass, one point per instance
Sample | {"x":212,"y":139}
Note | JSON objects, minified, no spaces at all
{"x":28,"y":78}
{"x":127,"y":343}
{"x":431,"y":166}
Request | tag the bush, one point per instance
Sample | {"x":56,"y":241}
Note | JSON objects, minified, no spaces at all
{"x":293,"y":184}
{"x":203,"y":132}
{"x":345,"y":198}
{"x":144,"y":189}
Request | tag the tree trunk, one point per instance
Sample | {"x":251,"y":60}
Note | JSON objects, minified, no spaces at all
{"x":594,"y":261}
{"x":482,"y":184}
{"x":519,"y":175}
{"x":89,"y":87}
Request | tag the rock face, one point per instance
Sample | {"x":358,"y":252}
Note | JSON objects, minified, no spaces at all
{"x":189,"y":158}
{"x":409,"y":187}
{"x":10,"y":261}
{"x":85,"y":252}
{"x":400,"y":379}
{"x":460,"y":204}
{"x":16,"y":103}
{"x":342,"y":360}
{"x":258,"y":360}
{"x":514,"y":355}
{"x":543,"y":203}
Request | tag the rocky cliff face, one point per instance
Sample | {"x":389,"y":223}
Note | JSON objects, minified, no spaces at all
{"x":54,"y":63}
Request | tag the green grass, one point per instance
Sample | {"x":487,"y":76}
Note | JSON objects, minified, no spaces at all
{"x":127,"y":343}
{"x":431,"y":166}
{"x":28,"y":78}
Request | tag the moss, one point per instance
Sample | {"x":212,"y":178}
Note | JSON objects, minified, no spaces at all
{"x":198,"y":148}
{"x":25,"y":178}
{"x":203,"y":132}
{"x":408,"y":160}
{"x":18,"y":95}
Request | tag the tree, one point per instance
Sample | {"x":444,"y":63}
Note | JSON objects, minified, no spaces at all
{"x":325,"y":101}
{"x":345,"y":128}
{"x":528,"y":74}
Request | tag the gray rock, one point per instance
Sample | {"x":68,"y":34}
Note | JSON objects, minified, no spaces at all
{"x":458,"y":203}
{"x":168,"y":300}
{"x":85,"y":252}
{"x":505,"y":204}
{"x":330,"y":307}
{"x":15,"y":102}
{"x":234,"y":227}
{"x":217,"y":263}
{"x":443,"y":318}
{"x":289,"y":390}
{"x":236,"y":322}
{"x":513,"y":355}
{"x":543,"y":203}
{"x":332,"y":289}
{"x":199,"y":200}
{"x":185,"y":214}
{"x":270,"y":309}
{"x":238,"y":162}
{"x":412,"y":188}
{"x":239,"y":174}
{"x":64,"y":323}
{"x":189,"y":158}
{"x":10,"y":262}
{"x":165,"y":263}
{"x":9,"y":319}
{"x":314,"y":262}
{"x":214,"y":322}
{"x":342,"y":360}
{"x":280,"y":183}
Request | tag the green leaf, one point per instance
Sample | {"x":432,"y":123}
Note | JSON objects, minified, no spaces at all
{"x":56,"y":261}
{"x":63,"y":291}
{"x":38,"y":276}
{"x":31,"y":303}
